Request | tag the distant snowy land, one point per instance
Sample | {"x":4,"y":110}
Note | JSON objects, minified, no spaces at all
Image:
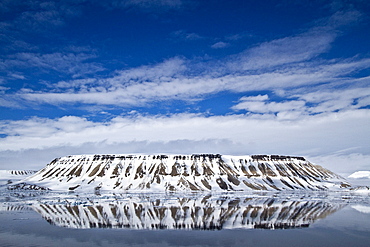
{"x":360,"y":178}
{"x":360,"y":174}
{"x":11,"y":176}
{"x":197,"y":172}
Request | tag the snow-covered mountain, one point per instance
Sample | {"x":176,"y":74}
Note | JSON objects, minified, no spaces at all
{"x":11,"y":176}
{"x":360,"y":175}
{"x":197,"y":172}
{"x":360,"y":178}
{"x":199,"y":213}
{"x":15,"y":174}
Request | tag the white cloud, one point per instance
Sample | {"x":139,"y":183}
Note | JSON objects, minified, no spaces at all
{"x":38,"y":16}
{"x":8,"y":100}
{"x":17,"y":76}
{"x":271,"y":107}
{"x":239,"y":36}
{"x":255,"y":98}
{"x":335,"y":100}
{"x":282,"y":64}
{"x":69,"y":63}
{"x":342,"y":130}
{"x":156,"y":6}
{"x":294,"y":49}
{"x":162,"y":72}
{"x":40,"y":19}
{"x":9,"y":103}
{"x":154,"y":3}
{"x":38,"y":158}
{"x":220,"y":45}
{"x":312,"y":136}
{"x":340,"y":94}
{"x":315,"y":101}
{"x":284,"y":51}
{"x":364,"y":101}
{"x":184,"y":35}
{"x":172,"y":80}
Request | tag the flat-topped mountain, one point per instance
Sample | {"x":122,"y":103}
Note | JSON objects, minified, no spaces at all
{"x":197,"y":172}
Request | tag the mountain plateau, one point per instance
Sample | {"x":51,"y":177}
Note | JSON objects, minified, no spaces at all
{"x":197,"y":172}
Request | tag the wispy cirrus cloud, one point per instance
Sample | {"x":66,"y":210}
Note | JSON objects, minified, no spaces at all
{"x":75,"y":64}
{"x":298,"y":48}
{"x":37,"y":16}
{"x":315,"y":101}
{"x":220,"y":45}
{"x":146,"y":5}
{"x":285,"y":51}
{"x":281,"y":64}
{"x":187,"y":36}
{"x":31,"y":21}
{"x":260,"y":104}
{"x":170,"y":80}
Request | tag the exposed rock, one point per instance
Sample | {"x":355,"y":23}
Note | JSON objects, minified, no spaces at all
{"x":198,"y":172}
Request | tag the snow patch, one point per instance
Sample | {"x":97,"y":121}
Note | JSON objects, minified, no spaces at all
{"x":360,"y":175}
{"x":197,"y":172}
{"x":12,"y":176}
{"x":362,"y":208}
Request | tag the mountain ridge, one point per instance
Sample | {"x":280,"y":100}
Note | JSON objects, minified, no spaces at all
{"x":11,"y":176}
{"x":196,"y":172}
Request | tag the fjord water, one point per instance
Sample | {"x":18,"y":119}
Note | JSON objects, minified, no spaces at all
{"x":149,"y":219}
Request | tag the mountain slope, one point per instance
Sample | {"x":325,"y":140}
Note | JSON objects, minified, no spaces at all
{"x":204,"y":172}
{"x":360,"y":175}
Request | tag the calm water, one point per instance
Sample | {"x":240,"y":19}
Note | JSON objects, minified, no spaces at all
{"x":264,"y":219}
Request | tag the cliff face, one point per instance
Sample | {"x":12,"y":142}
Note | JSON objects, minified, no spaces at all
{"x":205,"y":172}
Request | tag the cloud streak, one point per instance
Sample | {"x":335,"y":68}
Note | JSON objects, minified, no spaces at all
{"x":311,"y":134}
{"x":282,"y":64}
{"x":146,"y":5}
{"x":317,"y":101}
{"x":74,"y":64}
{"x":168,"y":81}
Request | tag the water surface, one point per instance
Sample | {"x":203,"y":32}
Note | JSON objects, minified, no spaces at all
{"x":225,"y":219}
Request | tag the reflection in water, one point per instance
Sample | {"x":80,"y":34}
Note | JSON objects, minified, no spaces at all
{"x":204,"y":213}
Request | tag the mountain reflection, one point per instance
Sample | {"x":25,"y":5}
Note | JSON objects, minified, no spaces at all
{"x":204,"y":213}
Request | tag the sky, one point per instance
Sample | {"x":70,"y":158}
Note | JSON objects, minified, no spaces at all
{"x":185,"y":76}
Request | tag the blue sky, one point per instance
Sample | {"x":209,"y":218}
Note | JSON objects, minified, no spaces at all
{"x":185,"y":76}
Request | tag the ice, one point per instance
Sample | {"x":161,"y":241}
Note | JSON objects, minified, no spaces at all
{"x":362,"y":208}
{"x":360,"y":174}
